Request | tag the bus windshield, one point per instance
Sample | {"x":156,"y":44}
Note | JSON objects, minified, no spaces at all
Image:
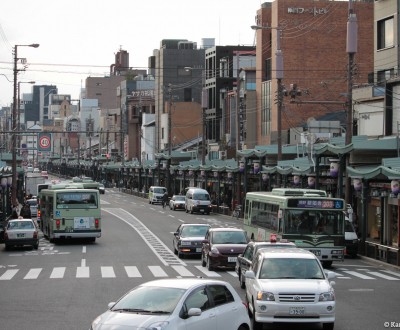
{"x":325,"y":222}
{"x":77,"y":200}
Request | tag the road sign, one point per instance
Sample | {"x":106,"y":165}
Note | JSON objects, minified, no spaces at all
{"x":44,"y":142}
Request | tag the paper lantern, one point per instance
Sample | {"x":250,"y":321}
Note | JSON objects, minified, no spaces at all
{"x":229,"y":175}
{"x":311,"y":181}
{"x":334,"y":169}
{"x":203,"y":173}
{"x":241,"y":167}
{"x":265,"y":177}
{"x":215,"y":174}
{"x":256,"y":167}
{"x":394,"y":185}
{"x":357,"y":184}
{"x":296,"y":179}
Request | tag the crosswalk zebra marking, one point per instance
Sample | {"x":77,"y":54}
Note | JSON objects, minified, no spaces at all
{"x":356,"y":274}
{"x":33,"y":274}
{"x":58,"y":272}
{"x":132,"y":271}
{"x":386,"y":277}
{"x":391,"y":272}
{"x":82,"y":272}
{"x":207,"y":272}
{"x":107,"y":272}
{"x":9,"y":274}
{"x":157,"y":271}
{"x":182,"y":271}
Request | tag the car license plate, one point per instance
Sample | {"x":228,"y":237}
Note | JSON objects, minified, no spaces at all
{"x":198,"y":249}
{"x":20,"y":235}
{"x":316,"y":252}
{"x":232,"y":259}
{"x":201,"y":210}
{"x":296,"y":310}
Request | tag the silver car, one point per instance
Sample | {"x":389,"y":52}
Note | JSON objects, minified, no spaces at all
{"x":177,"y":304}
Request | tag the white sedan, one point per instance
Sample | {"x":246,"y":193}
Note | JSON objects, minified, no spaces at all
{"x":289,"y":285}
{"x":20,"y":232}
{"x":177,"y":304}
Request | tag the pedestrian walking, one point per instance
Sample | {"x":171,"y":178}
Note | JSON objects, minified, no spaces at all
{"x":26,"y":211}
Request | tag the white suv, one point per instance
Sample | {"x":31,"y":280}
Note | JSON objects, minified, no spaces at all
{"x":289,"y":285}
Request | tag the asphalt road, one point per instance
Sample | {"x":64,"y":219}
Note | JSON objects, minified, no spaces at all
{"x":65,"y":286}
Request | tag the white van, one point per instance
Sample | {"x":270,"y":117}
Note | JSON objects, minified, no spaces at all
{"x":197,"y":200}
{"x":351,"y":239}
{"x":156,"y":194}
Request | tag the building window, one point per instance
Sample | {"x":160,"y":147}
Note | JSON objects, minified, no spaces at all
{"x":187,"y":95}
{"x":385,"y":37}
{"x":384,"y":75}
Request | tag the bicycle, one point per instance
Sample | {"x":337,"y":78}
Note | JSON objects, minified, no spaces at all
{"x":236,"y":212}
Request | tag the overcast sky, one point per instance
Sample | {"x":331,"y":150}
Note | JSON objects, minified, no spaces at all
{"x":78,"y":38}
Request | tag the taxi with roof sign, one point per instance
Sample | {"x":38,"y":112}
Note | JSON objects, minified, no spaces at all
{"x":245,"y":259}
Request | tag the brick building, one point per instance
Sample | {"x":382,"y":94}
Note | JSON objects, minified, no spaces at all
{"x":313,"y":44}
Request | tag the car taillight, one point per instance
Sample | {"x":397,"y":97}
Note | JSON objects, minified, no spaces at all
{"x":58,"y":223}
{"x":35,"y":234}
{"x":96,"y":223}
{"x":38,"y":213}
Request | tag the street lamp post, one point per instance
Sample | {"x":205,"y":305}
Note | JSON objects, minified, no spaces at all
{"x":14,"y":126}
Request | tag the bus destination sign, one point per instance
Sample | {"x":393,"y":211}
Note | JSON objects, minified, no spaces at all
{"x":316,"y":203}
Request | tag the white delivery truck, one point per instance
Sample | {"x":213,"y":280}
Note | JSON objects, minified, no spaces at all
{"x":31,"y":183}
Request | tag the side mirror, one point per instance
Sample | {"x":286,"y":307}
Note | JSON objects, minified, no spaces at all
{"x":250,"y":274}
{"x":330,"y":275}
{"x":194,"y":312}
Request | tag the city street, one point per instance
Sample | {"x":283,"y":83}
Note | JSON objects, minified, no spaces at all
{"x":67,"y":285}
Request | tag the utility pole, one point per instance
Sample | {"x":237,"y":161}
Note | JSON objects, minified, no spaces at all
{"x":351,"y":49}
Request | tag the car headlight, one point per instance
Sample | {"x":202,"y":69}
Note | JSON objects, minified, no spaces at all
{"x":327,"y":296}
{"x":355,"y":241}
{"x":158,"y":325}
{"x":265,"y":296}
{"x":95,"y":323}
{"x":214,"y":250}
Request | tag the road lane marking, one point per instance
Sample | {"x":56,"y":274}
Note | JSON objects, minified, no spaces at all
{"x":58,"y":272}
{"x":33,"y":273}
{"x":182,"y":271}
{"x":207,"y":272}
{"x":386,"y":277}
{"x":356,"y":274}
{"x":132,"y":271}
{"x":107,"y":272}
{"x":157,"y":271}
{"x":9,"y":274}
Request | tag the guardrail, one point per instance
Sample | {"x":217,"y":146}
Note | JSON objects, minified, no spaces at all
{"x":381,"y":252}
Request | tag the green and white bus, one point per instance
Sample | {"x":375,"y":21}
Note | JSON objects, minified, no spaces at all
{"x":306,"y":217}
{"x":70,"y":213}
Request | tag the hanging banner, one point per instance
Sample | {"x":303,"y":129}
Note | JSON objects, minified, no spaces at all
{"x":44,"y":142}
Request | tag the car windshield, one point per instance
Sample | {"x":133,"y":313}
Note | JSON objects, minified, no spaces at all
{"x":189,"y":231}
{"x":201,"y":197}
{"x":160,"y":190}
{"x":229,"y":237}
{"x":291,"y":268}
{"x":180,"y":198}
{"x":20,"y":225}
{"x":150,"y":300}
{"x":31,"y":202}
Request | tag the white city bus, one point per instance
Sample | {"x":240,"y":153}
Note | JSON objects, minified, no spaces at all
{"x":70,"y":213}
{"x":306,"y":217}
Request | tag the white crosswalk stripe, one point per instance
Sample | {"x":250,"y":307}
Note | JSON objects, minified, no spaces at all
{"x":58,"y":272}
{"x":132,"y":271}
{"x":33,"y":274}
{"x":179,"y":271}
